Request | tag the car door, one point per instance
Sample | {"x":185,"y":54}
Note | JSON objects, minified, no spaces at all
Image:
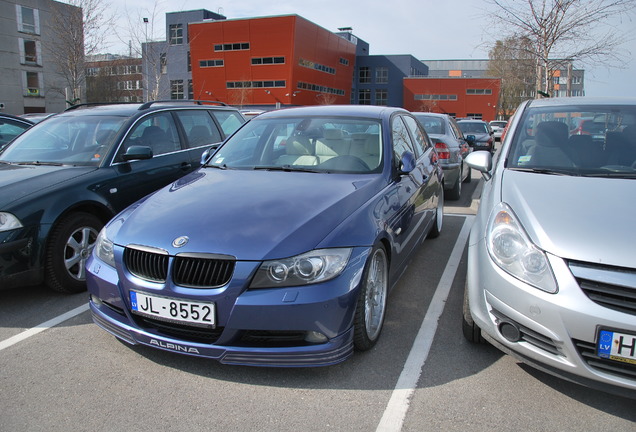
{"x":200,"y":131}
{"x":131,"y":180}
{"x":409,"y":200}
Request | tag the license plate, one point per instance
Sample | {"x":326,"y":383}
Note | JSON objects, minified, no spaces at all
{"x":200,"y":314}
{"x":617,"y":346}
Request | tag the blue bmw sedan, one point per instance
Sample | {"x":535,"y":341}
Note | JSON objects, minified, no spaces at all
{"x":282,"y":248}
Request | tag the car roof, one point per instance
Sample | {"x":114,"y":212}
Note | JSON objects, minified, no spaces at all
{"x":371,"y":111}
{"x":130,"y":109}
{"x":430,"y":114}
{"x":582,"y":100}
{"x":17,"y":118}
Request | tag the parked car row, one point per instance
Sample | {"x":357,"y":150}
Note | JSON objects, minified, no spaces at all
{"x":276,"y":242}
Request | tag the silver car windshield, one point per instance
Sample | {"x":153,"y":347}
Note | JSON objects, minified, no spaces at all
{"x":579,"y":140}
{"x":65,"y":140}
{"x":324,"y":144}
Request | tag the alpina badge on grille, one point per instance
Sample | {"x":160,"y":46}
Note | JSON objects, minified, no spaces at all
{"x":180,"y":241}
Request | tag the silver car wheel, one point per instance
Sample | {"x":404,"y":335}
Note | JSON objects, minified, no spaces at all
{"x":375,"y":295}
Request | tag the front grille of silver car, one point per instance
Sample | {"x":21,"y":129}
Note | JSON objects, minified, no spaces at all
{"x":587,"y":351}
{"x":189,"y":270}
{"x":611,"y":287}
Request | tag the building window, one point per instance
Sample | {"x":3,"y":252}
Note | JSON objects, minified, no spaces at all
{"x":478,"y":91}
{"x":435,"y":97}
{"x":382,"y":75}
{"x":381,"y":97}
{"x":255,"y":84}
{"x":474,"y":115}
{"x":176,"y":34}
{"x":190,"y":90}
{"x":267,"y":60}
{"x":32,"y":83}
{"x":241,"y":46}
{"x":29,"y":50}
{"x":344,"y":61}
{"x":211,"y":63}
{"x":364,"y":75}
{"x":320,"y":88}
{"x":163,"y":63}
{"x":364,"y":97}
{"x":28,"y":20}
{"x":176,"y":89}
{"x":189,"y":62}
{"x":316,"y":66}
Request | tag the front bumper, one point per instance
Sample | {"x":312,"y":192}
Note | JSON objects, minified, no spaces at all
{"x":257,"y":327}
{"x":19,"y":258}
{"x":557,"y":332}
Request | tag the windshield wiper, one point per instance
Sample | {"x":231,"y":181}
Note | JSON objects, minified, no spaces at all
{"x":551,"y":171}
{"x":38,"y":163}
{"x":221,"y":167}
{"x":286,"y":168}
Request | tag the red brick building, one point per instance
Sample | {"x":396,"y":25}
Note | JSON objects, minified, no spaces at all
{"x":459,"y":97}
{"x":281,"y":60}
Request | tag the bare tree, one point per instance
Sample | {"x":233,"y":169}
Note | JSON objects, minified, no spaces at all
{"x":79,"y":32}
{"x":567,"y":30}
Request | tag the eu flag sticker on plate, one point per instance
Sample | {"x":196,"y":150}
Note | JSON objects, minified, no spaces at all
{"x":605,"y":344}
{"x":133,"y":300}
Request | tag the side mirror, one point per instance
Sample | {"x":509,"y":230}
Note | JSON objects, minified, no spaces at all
{"x":209,"y":152}
{"x":470,"y":139}
{"x":407,"y":163}
{"x":481,"y":161}
{"x":138,"y":152}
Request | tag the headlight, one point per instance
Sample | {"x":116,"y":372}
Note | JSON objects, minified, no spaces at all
{"x":510,"y":247}
{"x":9,"y":222}
{"x":309,"y":268}
{"x":104,"y":248}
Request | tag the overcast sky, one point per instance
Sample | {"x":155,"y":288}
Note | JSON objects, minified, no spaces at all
{"x":426,"y":29}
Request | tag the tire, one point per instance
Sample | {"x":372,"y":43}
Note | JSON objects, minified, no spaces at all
{"x":436,"y":230}
{"x":371,"y":304}
{"x":471,"y":331}
{"x":70,"y":245}
{"x":455,"y":193}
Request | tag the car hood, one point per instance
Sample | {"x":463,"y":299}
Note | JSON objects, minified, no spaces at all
{"x":251,"y":215}
{"x":578,"y":218}
{"x":20,"y":181}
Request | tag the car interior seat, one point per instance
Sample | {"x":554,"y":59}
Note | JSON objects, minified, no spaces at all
{"x":157,"y":140}
{"x":551,"y":139}
{"x":298,"y":152}
{"x":332,"y":144}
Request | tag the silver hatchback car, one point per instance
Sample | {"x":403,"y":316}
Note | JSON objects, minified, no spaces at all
{"x":552,"y":256}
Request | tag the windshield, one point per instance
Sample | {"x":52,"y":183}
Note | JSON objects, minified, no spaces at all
{"x":576,"y":140}
{"x":473,"y":128}
{"x":65,"y":140}
{"x":432,"y":125}
{"x":320,"y":144}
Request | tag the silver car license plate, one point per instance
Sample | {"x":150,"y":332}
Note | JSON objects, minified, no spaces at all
{"x":617,"y":346}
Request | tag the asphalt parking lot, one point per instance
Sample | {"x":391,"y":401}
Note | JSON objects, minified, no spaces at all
{"x":61,"y":372}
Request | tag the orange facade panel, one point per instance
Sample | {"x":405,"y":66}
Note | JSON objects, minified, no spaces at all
{"x":460,"y":97}
{"x":284,"y":60}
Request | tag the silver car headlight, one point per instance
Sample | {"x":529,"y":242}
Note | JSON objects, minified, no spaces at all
{"x":309,"y":268}
{"x":9,"y":222}
{"x":104,"y":248}
{"x":511,"y":249}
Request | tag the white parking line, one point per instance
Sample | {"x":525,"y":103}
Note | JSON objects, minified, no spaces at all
{"x":395,"y":412}
{"x":44,"y":326}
